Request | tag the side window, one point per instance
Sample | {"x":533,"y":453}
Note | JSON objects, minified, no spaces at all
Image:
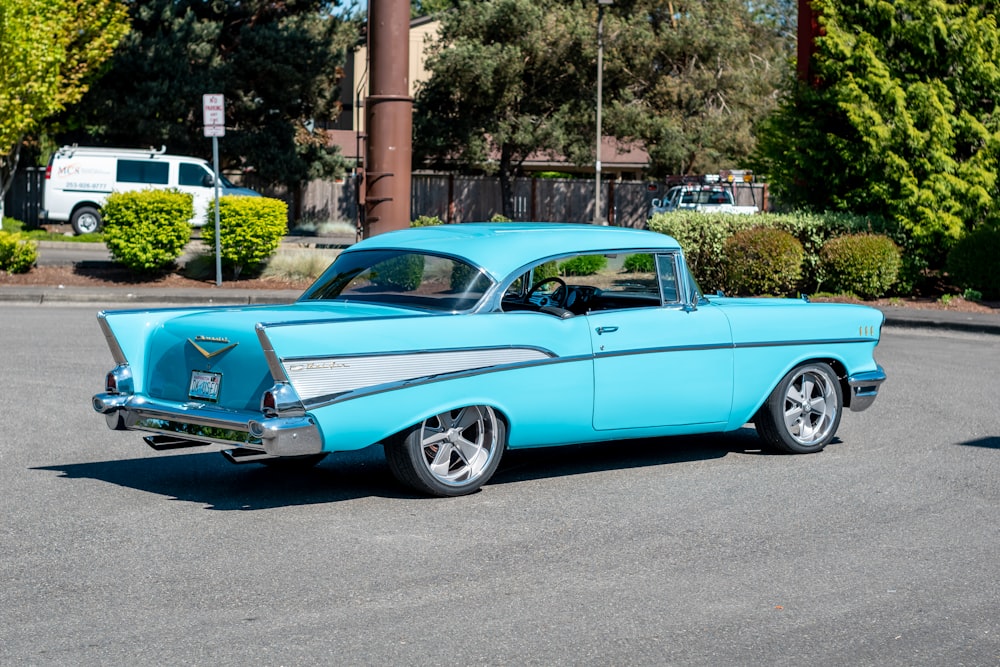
{"x":666,"y":267}
{"x":143,"y":171}
{"x":192,"y":175}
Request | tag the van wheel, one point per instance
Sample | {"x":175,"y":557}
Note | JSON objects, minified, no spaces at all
{"x":85,"y":220}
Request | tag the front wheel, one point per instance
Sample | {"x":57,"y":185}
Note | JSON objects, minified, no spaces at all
{"x":802,"y":414}
{"x":451,"y":454}
{"x":85,"y":220}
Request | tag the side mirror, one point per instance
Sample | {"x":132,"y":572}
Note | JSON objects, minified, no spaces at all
{"x":655,"y":203}
{"x":208,"y":181}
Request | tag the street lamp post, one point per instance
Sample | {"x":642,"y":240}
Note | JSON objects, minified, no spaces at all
{"x":600,"y":85}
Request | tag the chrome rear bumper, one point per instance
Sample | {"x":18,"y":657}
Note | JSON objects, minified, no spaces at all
{"x":864,"y":388}
{"x":211,"y":425}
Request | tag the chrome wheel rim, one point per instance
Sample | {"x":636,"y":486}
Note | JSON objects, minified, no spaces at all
{"x":458,"y":445}
{"x":810,"y":407}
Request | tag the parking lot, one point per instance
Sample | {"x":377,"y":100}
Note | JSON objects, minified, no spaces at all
{"x":882,"y":550}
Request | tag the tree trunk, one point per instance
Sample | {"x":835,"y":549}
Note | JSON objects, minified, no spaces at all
{"x":506,"y":183}
{"x":8,"y":167}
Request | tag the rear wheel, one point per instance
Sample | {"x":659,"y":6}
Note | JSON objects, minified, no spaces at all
{"x":85,"y":220}
{"x":451,"y":454}
{"x":802,"y":414}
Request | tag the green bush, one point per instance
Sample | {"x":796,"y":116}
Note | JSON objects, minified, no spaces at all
{"x":639,"y":264}
{"x":402,"y":273}
{"x":546,"y":270}
{"x":17,"y":254}
{"x":703,"y":235}
{"x":427,"y":221}
{"x":974,"y":262}
{"x":762,"y":260}
{"x":147,"y":230}
{"x":250,"y":230}
{"x":863,"y":264}
{"x":584,"y":265}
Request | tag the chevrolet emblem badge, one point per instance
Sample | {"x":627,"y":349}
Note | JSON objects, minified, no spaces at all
{"x":205,"y":353}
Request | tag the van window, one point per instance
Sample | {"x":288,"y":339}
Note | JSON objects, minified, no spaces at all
{"x":143,"y":171}
{"x":192,"y":175}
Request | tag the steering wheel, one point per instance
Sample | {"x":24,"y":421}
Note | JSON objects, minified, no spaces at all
{"x":558,"y":298}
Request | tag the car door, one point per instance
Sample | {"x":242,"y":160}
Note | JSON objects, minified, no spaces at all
{"x":663,"y":365}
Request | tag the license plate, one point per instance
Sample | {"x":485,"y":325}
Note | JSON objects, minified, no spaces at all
{"x":205,"y":385}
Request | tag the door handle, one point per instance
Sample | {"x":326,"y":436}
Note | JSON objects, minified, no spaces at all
{"x":604,"y":330}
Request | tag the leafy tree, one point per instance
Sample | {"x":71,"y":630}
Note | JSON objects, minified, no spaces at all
{"x":507,"y":79}
{"x":277,"y":63}
{"x":429,"y":7}
{"x":691,"y":79}
{"x":901,"y":119}
{"x":50,"y":50}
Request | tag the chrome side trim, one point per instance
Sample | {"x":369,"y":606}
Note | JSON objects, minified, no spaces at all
{"x":725,"y":346}
{"x":864,"y":388}
{"x":116,"y":350}
{"x":273,"y":363}
{"x":325,"y":376}
{"x":825,"y":341}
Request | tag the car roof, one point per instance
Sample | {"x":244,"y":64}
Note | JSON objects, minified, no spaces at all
{"x":501,"y":248}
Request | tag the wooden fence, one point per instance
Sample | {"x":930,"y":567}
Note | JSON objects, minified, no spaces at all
{"x":452,"y":198}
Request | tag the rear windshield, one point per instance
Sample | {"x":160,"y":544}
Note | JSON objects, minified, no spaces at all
{"x":402,"y":278}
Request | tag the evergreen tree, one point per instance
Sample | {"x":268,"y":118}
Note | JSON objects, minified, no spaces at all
{"x":277,"y":63}
{"x":900,"y":118}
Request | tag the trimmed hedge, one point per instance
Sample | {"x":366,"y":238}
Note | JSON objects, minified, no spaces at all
{"x":250,"y":230}
{"x":762,"y":260}
{"x":146,"y":230}
{"x":866,"y":265}
{"x":584,"y":265}
{"x":17,"y":254}
{"x":703,"y":235}
{"x":974,"y":262}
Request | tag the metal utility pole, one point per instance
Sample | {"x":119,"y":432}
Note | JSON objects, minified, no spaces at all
{"x":600,"y":91}
{"x":388,"y":119}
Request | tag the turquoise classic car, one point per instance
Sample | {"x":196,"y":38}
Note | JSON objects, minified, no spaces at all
{"x":451,"y":344}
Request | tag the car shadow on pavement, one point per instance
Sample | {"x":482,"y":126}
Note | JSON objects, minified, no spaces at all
{"x":207,"y":478}
{"x":989,"y":442}
{"x":527,"y":464}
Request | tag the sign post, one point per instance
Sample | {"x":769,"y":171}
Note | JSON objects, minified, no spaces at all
{"x":213,"y":107}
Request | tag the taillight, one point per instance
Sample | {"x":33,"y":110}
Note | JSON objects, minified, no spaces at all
{"x":281,"y":400}
{"x":119,"y":380}
{"x":48,"y":172}
{"x":268,"y":404}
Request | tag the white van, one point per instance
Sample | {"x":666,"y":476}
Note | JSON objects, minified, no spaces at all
{"x":78,"y":180}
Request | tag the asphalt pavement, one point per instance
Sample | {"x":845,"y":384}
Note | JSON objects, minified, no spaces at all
{"x":897,"y":316}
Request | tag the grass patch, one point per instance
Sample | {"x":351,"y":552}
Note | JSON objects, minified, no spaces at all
{"x":17,"y":227}
{"x":299,"y":264}
{"x":323,"y":228}
{"x":289,"y":265}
